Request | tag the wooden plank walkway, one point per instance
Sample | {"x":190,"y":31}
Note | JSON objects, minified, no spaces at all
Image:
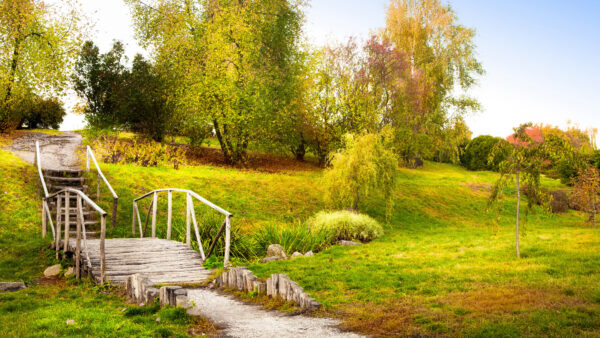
{"x":162,"y":261}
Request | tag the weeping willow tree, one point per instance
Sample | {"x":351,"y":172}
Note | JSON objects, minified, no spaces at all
{"x":364,"y":168}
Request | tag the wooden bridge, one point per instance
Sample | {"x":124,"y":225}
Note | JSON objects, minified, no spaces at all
{"x":162,"y":261}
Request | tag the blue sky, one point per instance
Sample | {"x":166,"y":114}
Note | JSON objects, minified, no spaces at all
{"x":541,"y":57}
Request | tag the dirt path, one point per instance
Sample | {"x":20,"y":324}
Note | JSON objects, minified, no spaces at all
{"x":57,"y":151}
{"x":245,"y":320}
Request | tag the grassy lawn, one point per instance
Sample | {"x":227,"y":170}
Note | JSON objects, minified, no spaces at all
{"x":445,"y":266}
{"x":45,"y":306}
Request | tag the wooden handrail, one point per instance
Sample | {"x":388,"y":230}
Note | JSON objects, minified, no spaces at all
{"x":66,"y":194}
{"x":90,"y":154}
{"x":83,"y":196}
{"x":46,"y":216}
{"x":193,"y":194}
{"x":190,"y":219}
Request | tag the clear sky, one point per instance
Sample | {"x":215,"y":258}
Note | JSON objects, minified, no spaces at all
{"x":541,"y":57}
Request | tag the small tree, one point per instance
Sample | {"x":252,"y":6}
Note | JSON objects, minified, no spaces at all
{"x":524,"y":163}
{"x":366,"y":165}
{"x":586,"y":190}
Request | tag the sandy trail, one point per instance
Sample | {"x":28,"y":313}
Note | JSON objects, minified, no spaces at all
{"x":246,"y":320}
{"x":57,"y":151}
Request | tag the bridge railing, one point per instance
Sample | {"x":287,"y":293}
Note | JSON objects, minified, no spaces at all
{"x":89,"y":155}
{"x":37,"y":161}
{"x":65,"y":195}
{"x":80,"y":229}
{"x":190,"y":219}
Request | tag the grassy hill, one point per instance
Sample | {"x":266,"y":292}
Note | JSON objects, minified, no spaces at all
{"x":43,"y":308}
{"x":445,"y":266}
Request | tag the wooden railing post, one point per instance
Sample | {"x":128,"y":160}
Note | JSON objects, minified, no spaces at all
{"x":78,"y":243}
{"x":169,"y":213}
{"x":214,"y":242}
{"x":154,"y":210}
{"x":114,"y":212}
{"x":227,"y":239}
{"x":133,"y":204}
{"x":67,"y":219}
{"x":44,"y":215}
{"x":57,"y":237}
{"x":102,"y":253}
{"x":188,"y":215}
{"x":137,"y":212}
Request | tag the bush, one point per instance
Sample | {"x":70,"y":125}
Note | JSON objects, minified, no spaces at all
{"x":139,"y":151}
{"x":346,"y":225}
{"x":559,"y":202}
{"x":44,"y":114}
{"x":296,"y":238}
{"x":478,"y":152}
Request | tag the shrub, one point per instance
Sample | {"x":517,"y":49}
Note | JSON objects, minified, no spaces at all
{"x":559,"y":202}
{"x":43,"y":113}
{"x":296,"y":238}
{"x":139,"y":151}
{"x":346,"y":225}
{"x":478,"y":152}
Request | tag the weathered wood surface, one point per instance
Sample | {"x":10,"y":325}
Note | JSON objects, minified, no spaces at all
{"x":163,"y":261}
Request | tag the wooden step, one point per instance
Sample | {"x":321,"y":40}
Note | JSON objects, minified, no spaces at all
{"x":56,"y":187}
{"x":62,"y":172}
{"x":70,"y":181}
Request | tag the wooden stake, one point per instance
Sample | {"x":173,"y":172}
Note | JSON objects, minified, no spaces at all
{"x":154,"y":210}
{"x":78,"y":243}
{"x":188,"y":229}
{"x":169,"y":214}
{"x":44,"y":218}
{"x":227,"y":239}
{"x":102,"y":253}
{"x":67,"y":219}
{"x":57,"y":237}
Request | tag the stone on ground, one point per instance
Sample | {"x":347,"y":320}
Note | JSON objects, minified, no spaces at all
{"x":296,"y":254}
{"x":276,"y":250}
{"x":69,"y":272}
{"x":11,"y":286}
{"x":309,"y":254}
{"x":345,"y":243}
{"x":52,"y":271}
{"x":270,"y":259}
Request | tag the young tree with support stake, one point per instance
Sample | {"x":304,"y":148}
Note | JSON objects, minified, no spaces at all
{"x":524,"y":163}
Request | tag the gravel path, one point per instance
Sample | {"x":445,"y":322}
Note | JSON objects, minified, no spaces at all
{"x":57,"y":151}
{"x":245,"y":320}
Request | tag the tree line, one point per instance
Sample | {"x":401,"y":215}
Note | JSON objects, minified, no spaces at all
{"x":240,"y":71}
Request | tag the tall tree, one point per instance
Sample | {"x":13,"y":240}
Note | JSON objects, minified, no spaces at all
{"x":237,"y":61}
{"x":99,"y":79}
{"x":38,"y":44}
{"x":441,"y":54}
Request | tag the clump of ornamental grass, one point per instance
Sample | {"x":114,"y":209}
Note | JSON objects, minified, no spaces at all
{"x":294,"y":238}
{"x":346,"y":225}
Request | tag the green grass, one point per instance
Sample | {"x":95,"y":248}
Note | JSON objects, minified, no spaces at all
{"x":45,"y":306}
{"x":444,"y":265}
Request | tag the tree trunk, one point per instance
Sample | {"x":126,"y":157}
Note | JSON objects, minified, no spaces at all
{"x":224,"y":148}
{"x":594,"y":211}
{"x":518,"y":209}
{"x":300,"y":151}
{"x":356,"y":200}
{"x":13,"y":70}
